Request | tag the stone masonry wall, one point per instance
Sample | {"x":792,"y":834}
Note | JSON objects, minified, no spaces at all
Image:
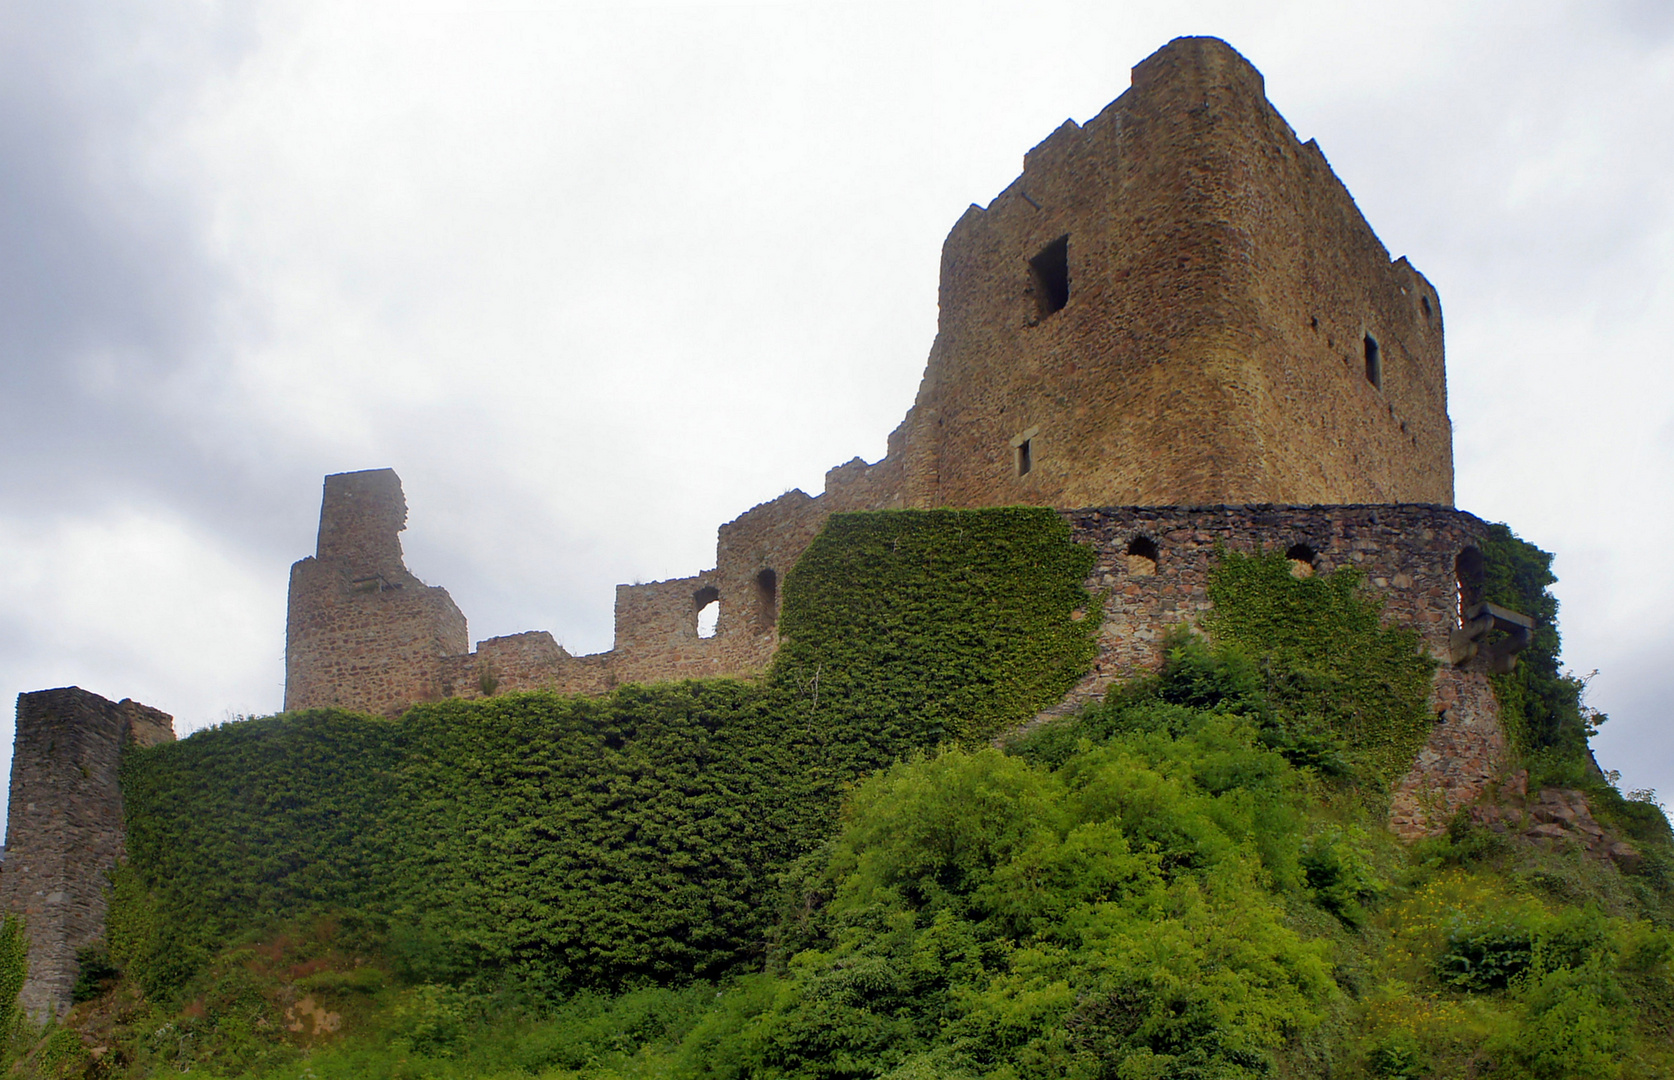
{"x":1410,"y":557}
{"x":361,"y":631}
{"x":65,"y":829}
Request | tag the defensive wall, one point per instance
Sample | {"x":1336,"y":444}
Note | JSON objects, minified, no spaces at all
{"x":1421,"y":561}
{"x":65,"y":831}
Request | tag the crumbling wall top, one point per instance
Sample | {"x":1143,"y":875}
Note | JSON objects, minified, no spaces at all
{"x":361,"y":518}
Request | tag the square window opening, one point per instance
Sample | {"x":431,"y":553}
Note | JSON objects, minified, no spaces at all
{"x":1050,"y":270}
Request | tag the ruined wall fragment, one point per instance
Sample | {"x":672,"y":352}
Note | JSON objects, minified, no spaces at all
{"x":65,"y":830}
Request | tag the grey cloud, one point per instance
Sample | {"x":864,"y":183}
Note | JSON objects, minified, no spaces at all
{"x":106,"y":293}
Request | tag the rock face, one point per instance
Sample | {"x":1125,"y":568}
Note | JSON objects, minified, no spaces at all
{"x":65,"y":829}
{"x":1554,"y":816}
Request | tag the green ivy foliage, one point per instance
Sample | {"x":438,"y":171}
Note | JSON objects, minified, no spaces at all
{"x":1328,"y":665}
{"x":547,"y":841}
{"x":1540,"y":703}
{"x":899,"y":621}
{"x":14,"y":969}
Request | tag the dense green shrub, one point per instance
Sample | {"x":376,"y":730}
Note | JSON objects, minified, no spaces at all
{"x":552,"y":840}
{"x":1540,"y":703}
{"x":982,"y":915}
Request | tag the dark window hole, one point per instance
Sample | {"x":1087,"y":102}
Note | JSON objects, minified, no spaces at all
{"x":1142,"y":556}
{"x":1470,"y":574}
{"x":1050,"y":270}
{"x":767,"y":598}
{"x":1374,"y":362}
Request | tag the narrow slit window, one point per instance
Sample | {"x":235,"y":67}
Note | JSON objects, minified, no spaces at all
{"x":1374,"y":362}
{"x":767,"y":599}
{"x":1050,"y":270}
{"x":1023,"y":450}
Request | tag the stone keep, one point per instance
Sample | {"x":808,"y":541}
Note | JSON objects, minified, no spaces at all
{"x":1179,"y":304}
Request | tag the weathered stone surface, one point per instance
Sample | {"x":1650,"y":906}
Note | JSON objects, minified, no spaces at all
{"x":1553,"y":816}
{"x":361,"y":631}
{"x":65,"y":831}
{"x":1223,"y":294}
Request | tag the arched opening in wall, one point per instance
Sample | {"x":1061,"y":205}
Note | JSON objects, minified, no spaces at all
{"x":706,"y":609}
{"x":1374,"y":362}
{"x":1050,"y":270}
{"x":1142,"y":556}
{"x":1468,"y":574}
{"x":767,"y":599}
{"x":1303,"y":561}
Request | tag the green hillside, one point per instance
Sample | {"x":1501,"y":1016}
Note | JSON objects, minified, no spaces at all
{"x":832,"y":871}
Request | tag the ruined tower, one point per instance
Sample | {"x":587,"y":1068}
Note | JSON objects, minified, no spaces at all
{"x":64,"y":829}
{"x":361,"y":631}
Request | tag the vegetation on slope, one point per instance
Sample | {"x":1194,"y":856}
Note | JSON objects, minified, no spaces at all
{"x":553,"y":841}
{"x":1189,"y":880}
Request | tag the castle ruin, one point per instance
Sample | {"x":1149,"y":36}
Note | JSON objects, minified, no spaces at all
{"x":1176,"y":316}
{"x":1176,"y":304}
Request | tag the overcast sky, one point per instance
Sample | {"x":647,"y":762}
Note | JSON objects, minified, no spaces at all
{"x":595,"y":279}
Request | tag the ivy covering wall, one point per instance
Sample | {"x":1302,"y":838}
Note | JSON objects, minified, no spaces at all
{"x":1540,"y":703}
{"x":1330,"y":668}
{"x":548,"y":840}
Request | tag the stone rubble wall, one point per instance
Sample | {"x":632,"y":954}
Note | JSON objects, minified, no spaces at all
{"x":363,"y":633}
{"x":1409,"y":555}
{"x":65,"y":829}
